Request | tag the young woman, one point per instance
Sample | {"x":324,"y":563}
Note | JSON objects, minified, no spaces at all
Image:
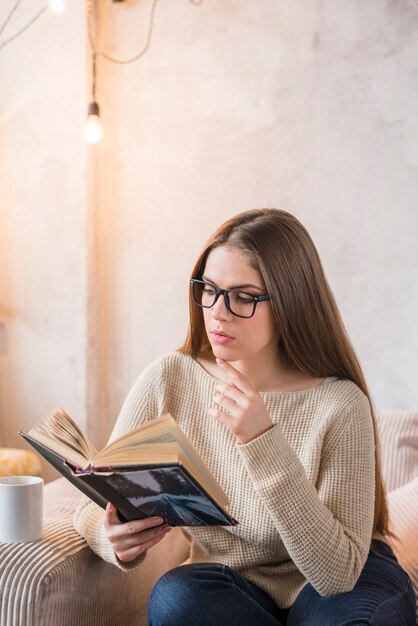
{"x":268,"y":389}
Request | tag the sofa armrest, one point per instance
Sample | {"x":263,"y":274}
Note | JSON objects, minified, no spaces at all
{"x":403,"y":513}
{"x":59,"y":580}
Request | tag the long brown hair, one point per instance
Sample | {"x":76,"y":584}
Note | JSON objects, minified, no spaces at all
{"x":312,"y":335}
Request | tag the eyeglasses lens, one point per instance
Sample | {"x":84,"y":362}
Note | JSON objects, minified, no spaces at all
{"x":240,"y":302}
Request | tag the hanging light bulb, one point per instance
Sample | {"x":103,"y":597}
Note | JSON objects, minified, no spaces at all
{"x":57,"y":6}
{"x":93,"y":129}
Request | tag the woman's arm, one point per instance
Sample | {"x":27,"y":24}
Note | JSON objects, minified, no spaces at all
{"x":326,"y":527}
{"x":143,"y":403}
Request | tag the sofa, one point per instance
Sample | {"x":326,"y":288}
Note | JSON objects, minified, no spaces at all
{"x":59,"y":581}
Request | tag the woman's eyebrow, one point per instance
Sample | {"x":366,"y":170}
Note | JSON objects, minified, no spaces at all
{"x":246,"y":286}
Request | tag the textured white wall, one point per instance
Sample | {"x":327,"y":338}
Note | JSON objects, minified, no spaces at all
{"x":42,"y":218}
{"x":306,"y":106}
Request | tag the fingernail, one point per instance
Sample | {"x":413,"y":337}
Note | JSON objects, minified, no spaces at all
{"x":157,"y":520}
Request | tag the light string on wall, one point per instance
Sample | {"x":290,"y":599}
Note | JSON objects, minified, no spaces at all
{"x":93,"y":129}
{"x":56,"y":6}
{"x":93,"y":112}
{"x":91,"y":18}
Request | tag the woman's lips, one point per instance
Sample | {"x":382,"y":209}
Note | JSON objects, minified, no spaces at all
{"x":221,"y":338}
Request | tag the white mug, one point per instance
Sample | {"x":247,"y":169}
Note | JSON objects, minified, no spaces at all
{"x":21,"y":508}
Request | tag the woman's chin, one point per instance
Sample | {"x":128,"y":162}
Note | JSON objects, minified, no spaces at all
{"x":220,"y":352}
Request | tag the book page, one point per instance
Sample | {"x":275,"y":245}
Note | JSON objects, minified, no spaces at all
{"x":156,"y":435}
{"x":62,"y":435}
{"x":159,"y":441}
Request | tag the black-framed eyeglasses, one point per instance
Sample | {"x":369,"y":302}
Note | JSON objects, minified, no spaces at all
{"x":239,"y":303}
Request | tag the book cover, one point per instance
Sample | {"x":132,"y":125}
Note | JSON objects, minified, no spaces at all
{"x":167,"y":490}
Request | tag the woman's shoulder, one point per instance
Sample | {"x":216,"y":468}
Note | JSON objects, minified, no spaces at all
{"x":168,"y":368}
{"x":172,"y":363}
{"x":344,"y":388}
{"x":343,"y":394}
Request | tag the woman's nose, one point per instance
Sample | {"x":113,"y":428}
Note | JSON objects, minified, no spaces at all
{"x":219,"y":309}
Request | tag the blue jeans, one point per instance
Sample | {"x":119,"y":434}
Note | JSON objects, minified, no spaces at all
{"x":212,"y":594}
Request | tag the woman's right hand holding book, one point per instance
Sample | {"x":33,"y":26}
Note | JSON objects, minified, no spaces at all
{"x":130,"y":539}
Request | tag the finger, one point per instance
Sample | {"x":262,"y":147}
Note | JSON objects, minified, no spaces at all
{"x":235,"y":377}
{"x":230,"y":391}
{"x":224,"y":402}
{"x":137,"y":526}
{"x":128,"y":541}
{"x":111,"y":516}
{"x":129,"y":554}
{"x":123,"y":528}
{"x":221,"y":416}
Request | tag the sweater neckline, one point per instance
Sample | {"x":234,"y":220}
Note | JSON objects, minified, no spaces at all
{"x":307,"y":390}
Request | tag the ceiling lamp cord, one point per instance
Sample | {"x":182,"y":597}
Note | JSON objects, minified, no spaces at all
{"x":56,"y":6}
{"x":136,"y":57}
{"x":93,"y":130}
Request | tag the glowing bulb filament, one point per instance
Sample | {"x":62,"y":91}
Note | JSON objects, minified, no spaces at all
{"x":93,"y":129}
{"x":57,"y":6}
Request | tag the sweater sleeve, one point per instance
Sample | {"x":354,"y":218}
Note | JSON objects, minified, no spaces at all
{"x":142,"y":404}
{"x":326,"y":528}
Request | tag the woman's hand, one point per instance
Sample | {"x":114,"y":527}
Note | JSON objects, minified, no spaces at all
{"x":248,"y":417}
{"x":130,"y":539}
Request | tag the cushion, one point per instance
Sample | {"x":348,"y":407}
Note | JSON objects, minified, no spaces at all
{"x":14,"y":462}
{"x":59,"y":581}
{"x":399,"y":450}
{"x":399,"y":447}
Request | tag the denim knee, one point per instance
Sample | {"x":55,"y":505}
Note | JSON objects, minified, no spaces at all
{"x":382,"y":596}
{"x":171,"y":602}
{"x":395,"y":611}
{"x":209,"y":594}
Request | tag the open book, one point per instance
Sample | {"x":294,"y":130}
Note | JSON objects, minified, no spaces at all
{"x":153,"y":470}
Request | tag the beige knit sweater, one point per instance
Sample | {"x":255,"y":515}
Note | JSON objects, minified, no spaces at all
{"x":302,"y":492}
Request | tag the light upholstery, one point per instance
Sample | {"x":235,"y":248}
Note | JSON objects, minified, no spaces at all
{"x":399,"y":447}
{"x":60,"y":582}
{"x":15,"y":462}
